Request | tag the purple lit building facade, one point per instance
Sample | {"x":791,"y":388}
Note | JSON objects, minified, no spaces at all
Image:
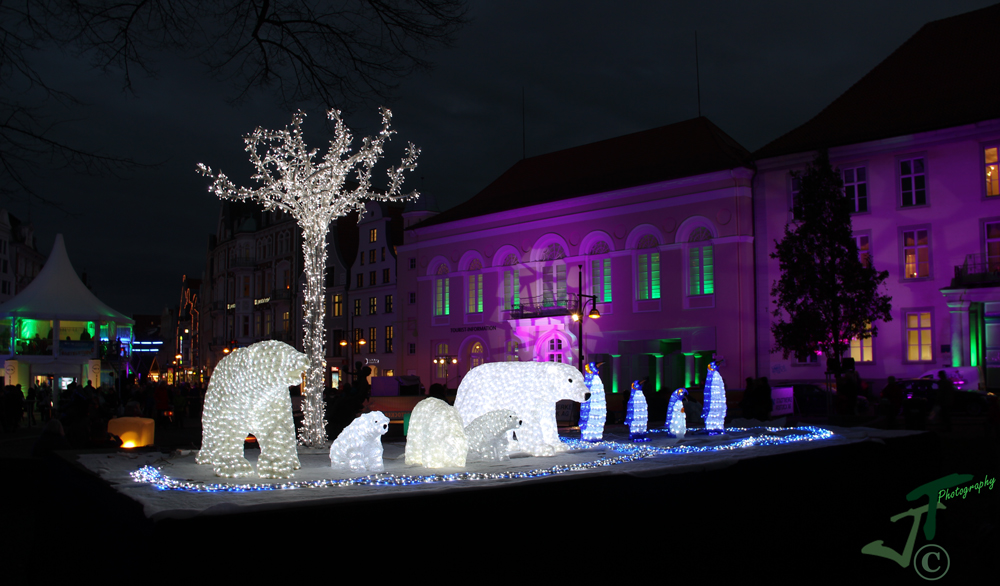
{"x":660,"y":225}
{"x":916,"y":141}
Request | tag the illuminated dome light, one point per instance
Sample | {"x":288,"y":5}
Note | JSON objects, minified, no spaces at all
{"x":676,"y":424}
{"x":248,"y":395}
{"x":593,"y":412}
{"x":714,"y":409}
{"x":637,"y":415}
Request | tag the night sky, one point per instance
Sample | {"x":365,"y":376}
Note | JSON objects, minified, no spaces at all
{"x":589,"y":71}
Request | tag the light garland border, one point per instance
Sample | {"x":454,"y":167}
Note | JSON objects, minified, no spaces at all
{"x":630,"y":452}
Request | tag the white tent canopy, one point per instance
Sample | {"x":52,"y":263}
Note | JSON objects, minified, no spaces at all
{"x":57,"y":293}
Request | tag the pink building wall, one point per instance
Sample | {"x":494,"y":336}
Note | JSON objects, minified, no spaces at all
{"x":669,"y":340}
{"x":964,"y":312}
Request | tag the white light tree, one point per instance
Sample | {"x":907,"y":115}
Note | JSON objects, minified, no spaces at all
{"x":313,"y":191}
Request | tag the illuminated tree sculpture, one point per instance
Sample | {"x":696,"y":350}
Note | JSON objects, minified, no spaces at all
{"x":295,"y":180}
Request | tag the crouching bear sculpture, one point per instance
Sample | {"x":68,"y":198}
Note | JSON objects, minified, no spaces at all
{"x":436,"y":438}
{"x":487,"y":435}
{"x":248,"y":394}
{"x":359,"y":446}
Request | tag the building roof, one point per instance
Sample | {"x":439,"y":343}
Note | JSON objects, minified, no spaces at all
{"x":692,"y":147}
{"x":942,"y":77}
{"x":57,"y":293}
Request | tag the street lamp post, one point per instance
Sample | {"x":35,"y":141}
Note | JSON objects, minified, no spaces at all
{"x":581,"y":306}
{"x":445,"y":359}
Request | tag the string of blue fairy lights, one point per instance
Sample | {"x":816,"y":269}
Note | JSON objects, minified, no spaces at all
{"x":629,"y":452}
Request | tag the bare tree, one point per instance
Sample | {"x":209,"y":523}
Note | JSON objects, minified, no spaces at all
{"x":300,"y":51}
{"x":294,"y":180}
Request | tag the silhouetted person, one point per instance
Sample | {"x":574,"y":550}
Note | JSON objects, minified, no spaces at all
{"x":946,"y":399}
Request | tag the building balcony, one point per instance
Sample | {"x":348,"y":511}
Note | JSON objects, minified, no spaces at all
{"x":281,"y":294}
{"x":977,"y":271}
{"x":242,"y":261}
{"x":546,"y":305}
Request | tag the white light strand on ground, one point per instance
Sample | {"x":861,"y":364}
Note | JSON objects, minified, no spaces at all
{"x":630,"y":453}
{"x":313,"y":193}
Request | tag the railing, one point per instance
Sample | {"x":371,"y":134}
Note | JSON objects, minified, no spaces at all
{"x":545,"y":305}
{"x":977,"y":268}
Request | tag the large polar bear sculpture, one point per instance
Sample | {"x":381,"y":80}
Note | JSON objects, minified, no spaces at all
{"x":436,"y":438}
{"x":359,"y":446}
{"x":487,"y":435}
{"x":530,"y":389}
{"x":248,"y":394}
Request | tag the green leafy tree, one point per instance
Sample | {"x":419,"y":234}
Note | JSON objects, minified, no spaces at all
{"x":827,"y":294}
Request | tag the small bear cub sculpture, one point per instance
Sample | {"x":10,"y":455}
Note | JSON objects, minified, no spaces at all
{"x":359,"y":446}
{"x":487,"y":435}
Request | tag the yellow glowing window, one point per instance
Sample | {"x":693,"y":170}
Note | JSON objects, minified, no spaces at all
{"x":992,"y":173}
{"x":918,"y":336}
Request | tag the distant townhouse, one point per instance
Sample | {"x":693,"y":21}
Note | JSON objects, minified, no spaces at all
{"x":653,"y":230}
{"x":916,"y":141}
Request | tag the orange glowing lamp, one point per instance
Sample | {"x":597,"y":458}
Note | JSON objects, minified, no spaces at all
{"x":135,"y":432}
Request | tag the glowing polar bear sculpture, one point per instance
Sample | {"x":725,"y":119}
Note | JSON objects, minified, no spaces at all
{"x":248,"y":394}
{"x":530,"y":389}
{"x":435,"y":438}
{"x":487,"y":435}
{"x":359,"y":446}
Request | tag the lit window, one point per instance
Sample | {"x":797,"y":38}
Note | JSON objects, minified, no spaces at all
{"x":856,"y":188}
{"x":864,"y":249}
{"x":912,"y":182}
{"x":648,"y":275}
{"x":474,"y":294}
{"x":442,"y":365}
{"x":371,"y":340}
{"x":372,"y":306}
{"x":338,"y":305}
{"x":993,"y":247}
{"x":992,"y":174}
{"x":388,"y":340}
{"x":286,"y":322}
{"x":372,"y":235}
{"x":554,"y":286}
{"x":916,"y":254}
{"x":357,"y":307}
{"x":441,"y":300}
{"x":388,"y":303}
{"x":357,"y":340}
{"x":918,"y":337}
{"x":600,"y":273}
{"x":477,"y":355}
{"x":511,"y":289}
{"x":861,"y":348}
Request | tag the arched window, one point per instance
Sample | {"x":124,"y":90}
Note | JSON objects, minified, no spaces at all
{"x":511,"y":282}
{"x":647,"y":270}
{"x":474,"y":290}
{"x":441,"y":293}
{"x":553,"y":276}
{"x":701,"y":263}
{"x":477,"y":355}
{"x":600,"y":272}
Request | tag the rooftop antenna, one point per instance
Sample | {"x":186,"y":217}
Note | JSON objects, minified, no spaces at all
{"x":523,"y":139}
{"x":697,"y":72}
